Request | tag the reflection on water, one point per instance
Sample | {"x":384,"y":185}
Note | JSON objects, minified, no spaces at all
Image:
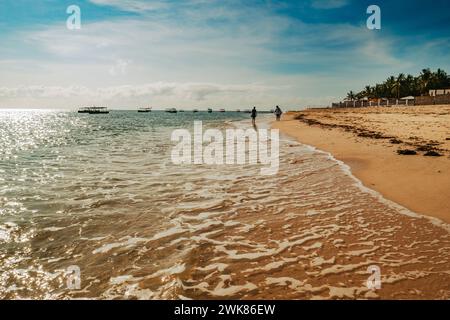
{"x":101,"y":193}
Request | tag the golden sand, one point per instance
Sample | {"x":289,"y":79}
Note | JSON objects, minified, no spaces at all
{"x":368,"y":140}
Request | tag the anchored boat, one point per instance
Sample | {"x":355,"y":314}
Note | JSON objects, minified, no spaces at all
{"x":94,"y":110}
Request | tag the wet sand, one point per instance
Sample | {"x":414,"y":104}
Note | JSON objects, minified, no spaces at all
{"x":368,"y":140}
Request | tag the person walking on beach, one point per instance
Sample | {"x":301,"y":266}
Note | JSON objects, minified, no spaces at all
{"x":278,"y":113}
{"x":254,"y":113}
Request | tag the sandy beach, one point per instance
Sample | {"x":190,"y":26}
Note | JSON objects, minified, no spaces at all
{"x":369,"y":139}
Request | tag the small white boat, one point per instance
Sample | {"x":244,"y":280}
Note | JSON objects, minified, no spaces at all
{"x":145,"y":109}
{"x":171,"y":110}
{"x":94,"y":110}
{"x":221,"y":110}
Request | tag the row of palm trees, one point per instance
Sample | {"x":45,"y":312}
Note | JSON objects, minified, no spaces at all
{"x":405,"y":85}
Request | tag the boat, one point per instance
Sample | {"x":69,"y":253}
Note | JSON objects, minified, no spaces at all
{"x":221,"y":110}
{"x":210,"y":110}
{"x":146,"y":109}
{"x":248,"y":111}
{"x":94,"y":110}
{"x":171,"y":110}
{"x":195,"y":110}
{"x":98,"y":110}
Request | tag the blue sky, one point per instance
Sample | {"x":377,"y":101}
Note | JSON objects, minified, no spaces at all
{"x":211,"y":53}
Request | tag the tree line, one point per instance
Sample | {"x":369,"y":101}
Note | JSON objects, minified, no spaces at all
{"x":404,"y":85}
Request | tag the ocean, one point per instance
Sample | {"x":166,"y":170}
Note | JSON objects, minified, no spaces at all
{"x":91,"y":206}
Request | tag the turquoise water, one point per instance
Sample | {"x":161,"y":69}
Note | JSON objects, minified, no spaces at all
{"x":40,"y":150}
{"x":59,"y":170}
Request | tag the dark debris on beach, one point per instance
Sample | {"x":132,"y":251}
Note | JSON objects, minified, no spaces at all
{"x":432,"y":153}
{"x":407,"y":152}
{"x":430,"y":148}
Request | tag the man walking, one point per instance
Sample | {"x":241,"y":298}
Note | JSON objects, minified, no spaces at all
{"x":278,"y":113}
{"x":254,"y":113}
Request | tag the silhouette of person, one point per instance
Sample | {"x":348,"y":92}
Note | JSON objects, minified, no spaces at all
{"x":278,"y":113}
{"x":254,"y":113}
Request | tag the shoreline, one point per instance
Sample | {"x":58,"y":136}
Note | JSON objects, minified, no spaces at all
{"x":418,"y":183}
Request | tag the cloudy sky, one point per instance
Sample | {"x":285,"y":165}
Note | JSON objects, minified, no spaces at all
{"x":211,"y":53}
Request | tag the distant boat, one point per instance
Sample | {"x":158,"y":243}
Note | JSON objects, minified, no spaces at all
{"x":195,"y":110}
{"x":221,"y":110}
{"x":144,"y":109}
{"x":171,"y":110}
{"x":94,"y":110}
{"x":238,"y":110}
{"x":248,"y":111}
{"x":210,"y":110}
{"x":181,"y":110}
{"x":98,"y":110}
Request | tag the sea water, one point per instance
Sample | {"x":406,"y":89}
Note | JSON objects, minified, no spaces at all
{"x":100,"y":194}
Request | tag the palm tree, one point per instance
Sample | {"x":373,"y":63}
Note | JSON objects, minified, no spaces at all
{"x":440,"y":78}
{"x":398,"y":83}
{"x":379,"y":90}
{"x":368,"y":91}
{"x":417,"y":86}
{"x":425,"y":79}
{"x":409,"y":85}
{"x":405,"y":85}
{"x":360,"y":95}
{"x":390,"y":86}
{"x":351,"y":96}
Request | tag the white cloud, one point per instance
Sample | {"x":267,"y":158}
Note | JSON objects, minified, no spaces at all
{"x":192,"y":62}
{"x":120,"y":67}
{"x":159,"y":95}
{"x":132,"y":5}
{"x":192,"y":91}
{"x":329,"y":4}
{"x":159,"y":92}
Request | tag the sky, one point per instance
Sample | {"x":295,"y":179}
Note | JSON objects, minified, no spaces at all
{"x":211,"y":53}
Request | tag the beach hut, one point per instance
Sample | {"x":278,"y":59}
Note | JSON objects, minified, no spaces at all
{"x":408,"y":100}
{"x":364,"y":102}
{"x":438,"y":92}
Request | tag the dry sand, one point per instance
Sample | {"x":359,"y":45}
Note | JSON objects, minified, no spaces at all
{"x":368,"y":140}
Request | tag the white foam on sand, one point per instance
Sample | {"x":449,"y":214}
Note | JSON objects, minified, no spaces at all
{"x":347,"y":170}
{"x":127,"y":243}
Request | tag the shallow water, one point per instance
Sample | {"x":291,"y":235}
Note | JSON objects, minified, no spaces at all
{"x":101,"y":193}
